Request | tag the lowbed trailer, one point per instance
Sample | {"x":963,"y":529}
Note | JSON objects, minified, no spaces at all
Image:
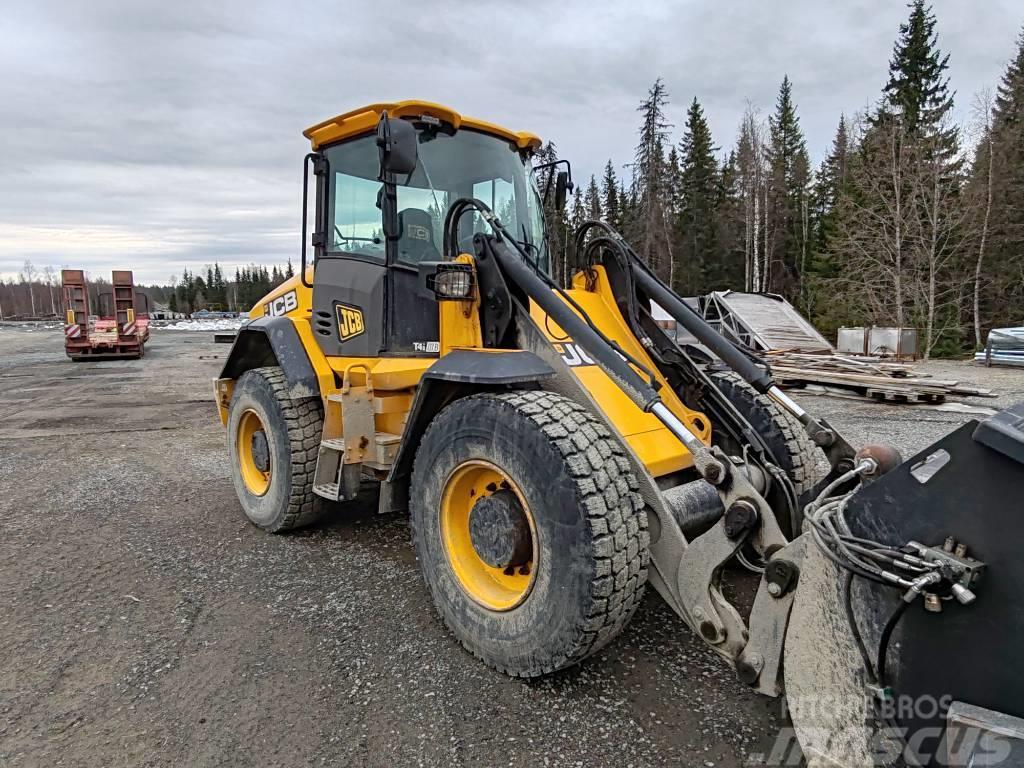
{"x":121,"y":332}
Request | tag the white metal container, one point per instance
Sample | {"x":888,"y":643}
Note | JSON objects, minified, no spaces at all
{"x":852,"y":341}
{"x":892,"y":342}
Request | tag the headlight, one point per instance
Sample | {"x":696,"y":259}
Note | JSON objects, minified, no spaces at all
{"x":452,"y":282}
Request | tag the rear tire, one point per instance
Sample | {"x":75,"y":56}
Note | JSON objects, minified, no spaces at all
{"x":283,"y":499}
{"x":589,"y":535}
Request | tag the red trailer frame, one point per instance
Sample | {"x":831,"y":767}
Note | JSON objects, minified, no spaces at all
{"x":121,"y":334}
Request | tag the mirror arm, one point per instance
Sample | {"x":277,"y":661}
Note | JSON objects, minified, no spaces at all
{"x":570,"y":186}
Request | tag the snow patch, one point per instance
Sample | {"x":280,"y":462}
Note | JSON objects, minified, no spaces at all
{"x":213,"y":324}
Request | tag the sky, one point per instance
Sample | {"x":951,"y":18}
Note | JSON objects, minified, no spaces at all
{"x":159,"y":136}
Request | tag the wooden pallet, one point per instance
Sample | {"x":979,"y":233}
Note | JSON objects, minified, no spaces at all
{"x":883,"y":381}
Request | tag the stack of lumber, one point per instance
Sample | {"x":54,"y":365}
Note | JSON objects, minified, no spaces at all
{"x":867,"y":376}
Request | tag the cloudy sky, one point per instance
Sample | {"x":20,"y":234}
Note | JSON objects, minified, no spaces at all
{"x":162,"y":135}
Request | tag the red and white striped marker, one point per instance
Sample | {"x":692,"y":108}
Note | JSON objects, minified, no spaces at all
{"x":72,"y":331}
{"x":129,"y":329}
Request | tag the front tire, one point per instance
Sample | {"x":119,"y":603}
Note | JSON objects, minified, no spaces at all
{"x":274,"y":442}
{"x":556,"y":584}
{"x":791,"y":447}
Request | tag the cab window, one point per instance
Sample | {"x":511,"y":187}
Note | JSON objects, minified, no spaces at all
{"x":353,"y":218}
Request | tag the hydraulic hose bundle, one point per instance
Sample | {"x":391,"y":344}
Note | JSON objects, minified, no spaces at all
{"x":912,"y":567}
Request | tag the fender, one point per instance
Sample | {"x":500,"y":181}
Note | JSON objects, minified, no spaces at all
{"x":273,"y":341}
{"x":460,"y":373}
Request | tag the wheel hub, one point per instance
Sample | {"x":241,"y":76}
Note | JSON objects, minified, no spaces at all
{"x":260,"y":451}
{"x":499,"y":530}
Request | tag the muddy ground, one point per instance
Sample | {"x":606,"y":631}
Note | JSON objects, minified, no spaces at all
{"x":143,"y":621}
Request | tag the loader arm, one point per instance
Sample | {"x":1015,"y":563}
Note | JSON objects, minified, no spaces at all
{"x":686,"y":572}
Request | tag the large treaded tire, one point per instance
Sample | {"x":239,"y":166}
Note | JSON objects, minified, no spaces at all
{"x":794,"y":451}
{"x":294,"y":428}
{"x":590,"y":520}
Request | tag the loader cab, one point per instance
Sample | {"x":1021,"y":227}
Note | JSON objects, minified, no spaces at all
{"x":380,"y":216}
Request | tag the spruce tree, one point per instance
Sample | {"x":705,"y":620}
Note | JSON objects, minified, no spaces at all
{"x":730,"y":228}
{"x":831,"y":184}
{"x":698,"y":257}
{"x":592,"y":200}
{"x":652,"y":229}
{"x":577,"y":215}
{"x":918,"y":88}
{"x":610,"y":196}
{"x":917,"y":106}
{"x":788,"y":216}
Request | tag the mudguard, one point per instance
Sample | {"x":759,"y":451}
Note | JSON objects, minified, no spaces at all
{"x":459,"y":373}
{"x":273,"y":341}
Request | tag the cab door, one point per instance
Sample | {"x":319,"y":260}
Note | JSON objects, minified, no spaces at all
{"x":414,"y":326}
{"x":350,"y":290}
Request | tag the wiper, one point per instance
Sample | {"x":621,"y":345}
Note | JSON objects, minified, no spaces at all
{"x":433,"y":193}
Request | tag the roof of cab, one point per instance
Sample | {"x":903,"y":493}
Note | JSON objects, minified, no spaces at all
{"x":364,"y":119}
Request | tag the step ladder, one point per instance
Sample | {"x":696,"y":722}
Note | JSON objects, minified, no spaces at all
{"x":351,"y":447}
{"x":76,"y":305}
{"x":123,"y":286}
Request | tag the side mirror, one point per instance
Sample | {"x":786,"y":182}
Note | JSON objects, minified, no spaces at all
{"x":562,"y":188}
{"x":396,"y":140}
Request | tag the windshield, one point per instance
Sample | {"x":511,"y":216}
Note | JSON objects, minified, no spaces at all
{"x":470,"y":164}
{"x":450,"y":165}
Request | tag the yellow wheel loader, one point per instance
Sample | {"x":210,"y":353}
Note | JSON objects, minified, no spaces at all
{"x":557,"y":451}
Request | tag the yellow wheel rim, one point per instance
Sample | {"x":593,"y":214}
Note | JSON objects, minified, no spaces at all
{"x":256,"y":480}
{"x":499,"y":589}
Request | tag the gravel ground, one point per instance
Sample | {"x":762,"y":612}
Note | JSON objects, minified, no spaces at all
{"x":145,"y":622}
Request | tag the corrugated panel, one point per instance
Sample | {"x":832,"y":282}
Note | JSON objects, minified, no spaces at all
{"x":773,"y":321}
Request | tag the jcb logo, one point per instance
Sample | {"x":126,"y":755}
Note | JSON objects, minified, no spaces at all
{"x":282,"y":305}
{"x":416,"y":232}
{"x":573,"y":355}
{"x":350,"y":321}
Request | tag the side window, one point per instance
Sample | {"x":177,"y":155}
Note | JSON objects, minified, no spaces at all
{"x":354,"y":220}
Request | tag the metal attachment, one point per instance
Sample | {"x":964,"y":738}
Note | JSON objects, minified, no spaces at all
{"x":740,"y":517}
{"x":823,"y":438}
{"x":963,"y":594}
{"x":932,"y":602}
{"x":714,"y":473}
{"x":260,"y":451}
{"x":710,"y":632}
{"x":500,"y":531}
{"x":749,"y":669}
{"x":781,"y":577}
